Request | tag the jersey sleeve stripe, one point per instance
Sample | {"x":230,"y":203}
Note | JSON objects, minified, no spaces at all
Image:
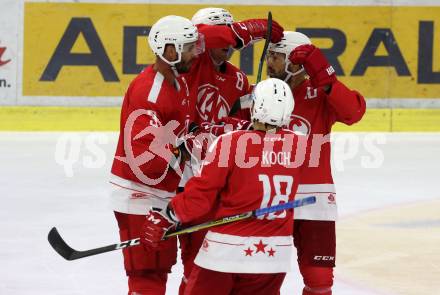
{"x":155,"y":89}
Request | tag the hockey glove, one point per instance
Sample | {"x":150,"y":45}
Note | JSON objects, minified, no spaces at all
{"x":315,"y":63}
{"x":157,"y":223}
{"x":252,"y":30}
{"x":197,"y":142}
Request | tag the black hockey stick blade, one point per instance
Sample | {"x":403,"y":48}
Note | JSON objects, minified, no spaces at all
{"x":68,"y":253}
{"x":59,"y":245}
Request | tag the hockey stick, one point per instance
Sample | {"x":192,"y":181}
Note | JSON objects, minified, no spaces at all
{"x":68,"y":253}
{"x":237,"y":105}
{"x":266,"y":45}
{"x":246,"y":215}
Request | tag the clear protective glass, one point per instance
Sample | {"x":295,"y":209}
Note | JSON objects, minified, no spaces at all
{"x":197,"y":47}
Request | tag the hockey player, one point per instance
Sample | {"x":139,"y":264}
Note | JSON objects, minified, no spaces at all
{"x":217,"y":84}
{"x":158,"y":108}
{"x":150,"y":102}
{"x":249,"y":256}
{"x":320,"y":101}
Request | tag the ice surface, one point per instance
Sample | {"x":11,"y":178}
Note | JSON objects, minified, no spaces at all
{"x":37,"y":193}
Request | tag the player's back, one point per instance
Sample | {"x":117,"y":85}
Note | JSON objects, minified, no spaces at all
{"x":262,"y":171}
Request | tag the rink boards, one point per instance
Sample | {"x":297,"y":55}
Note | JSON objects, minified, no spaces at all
{"x":79,"y":53}
{"x":107,"y":119}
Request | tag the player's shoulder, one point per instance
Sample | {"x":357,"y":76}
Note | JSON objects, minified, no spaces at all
{"x":284,"y":132}
{"x":231,"y":135}
{"x":307,"y":92}
{"x":228,"y":138}
{"x":233,"y":70}
{"x":150,"y":87}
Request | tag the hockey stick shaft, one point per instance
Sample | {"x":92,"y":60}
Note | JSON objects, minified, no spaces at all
{"x":68,"y":253}
{"x":242,"y":216}
{"x":266,"y":45}
{"x":237,"y":105}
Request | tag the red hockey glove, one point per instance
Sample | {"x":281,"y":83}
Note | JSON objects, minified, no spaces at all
{"x":251,"y":30}
{"x":316,"y":65}
{"x":228,"y":124}
{"x":197,"y":142}
{"x":154,"y":228}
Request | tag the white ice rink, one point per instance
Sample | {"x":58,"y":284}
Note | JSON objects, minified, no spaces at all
{"x":388,"y":232}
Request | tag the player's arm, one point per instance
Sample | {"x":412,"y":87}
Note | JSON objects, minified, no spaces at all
{"x":241,"y":108}
{"x":348,"y":106}
{"x":239,"y":34}
{"x":201,"y":192}
{"x":217,"y":36}
{"x":149,"y":146}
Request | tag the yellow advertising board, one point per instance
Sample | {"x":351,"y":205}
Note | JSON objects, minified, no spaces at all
{"x":85,"y":49}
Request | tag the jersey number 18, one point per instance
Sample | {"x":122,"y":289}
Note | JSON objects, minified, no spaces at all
{"x":269,"y":200}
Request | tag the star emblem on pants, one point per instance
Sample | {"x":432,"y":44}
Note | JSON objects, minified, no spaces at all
{"x":260,"y":247}
{"x":271,"y":252}
{"x":248,"y":251}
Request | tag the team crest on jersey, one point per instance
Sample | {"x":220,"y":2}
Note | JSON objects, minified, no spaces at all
{"x":299,"y":124}
{"x":211,"y":105}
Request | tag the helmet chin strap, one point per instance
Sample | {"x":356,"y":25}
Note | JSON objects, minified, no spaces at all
{"x":175,"y":72}
{"x":172,"y":64}
{"x":291,"y":74}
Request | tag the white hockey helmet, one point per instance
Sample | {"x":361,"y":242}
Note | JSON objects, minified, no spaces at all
{"x":212,"y":16}
{"x":172,"y":29}
{"x":273,"y":102}
{"x":288,"y":43}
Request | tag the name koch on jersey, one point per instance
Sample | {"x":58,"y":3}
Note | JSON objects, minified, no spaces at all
{"x":291,"y":155}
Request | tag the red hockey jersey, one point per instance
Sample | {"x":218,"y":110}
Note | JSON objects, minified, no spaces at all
{"x":314,"y":114}
{"x":247,"y":170}
{"x":154,"y":113}
{"x":216,"y":92}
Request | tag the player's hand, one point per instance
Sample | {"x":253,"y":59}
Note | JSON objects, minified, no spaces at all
{"x":228,"y":124}
{"x":156,"y":224}
{"x":180,"y":155}
{"x":252,"y":30}
{"x":315,"y":63}
{"x":197,"y":142}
